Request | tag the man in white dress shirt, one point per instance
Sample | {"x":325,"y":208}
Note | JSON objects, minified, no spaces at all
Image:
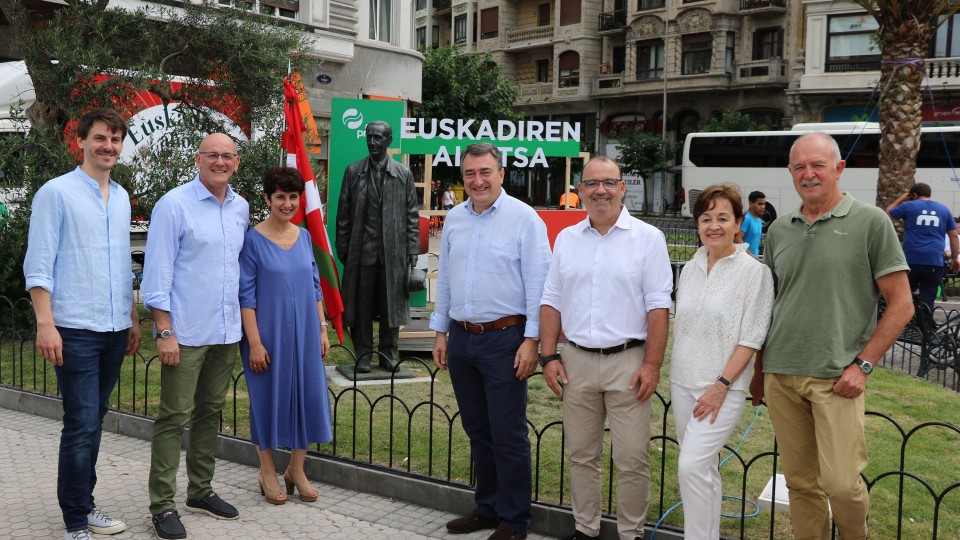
{"x":608,"y":288}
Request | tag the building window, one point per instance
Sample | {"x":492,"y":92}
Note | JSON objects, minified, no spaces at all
{"x":729,"y":56}
{"x":946,"y":42}
{"x":282,"y":9}
{"x":435,"y":38}
{"x":618,"y":58}
{"x":543,"y":70}
{"x":422,"y":37}
{"x":697,"y":53}
{"x":460,"y":29}
{"x":489,"y":21}
{"x":768,"y":43}
{"x":850,"y":43}
{"x":650,"y":59}
{"x":570,"y":12}
{"x":649,"y":4}
{"x":569,"y":69}
{"x":543,"y":15}
{"x":380,"y":19}
{"x":421,"y":4}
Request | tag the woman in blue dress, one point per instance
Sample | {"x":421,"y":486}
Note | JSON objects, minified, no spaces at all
{"x":284,"y":338}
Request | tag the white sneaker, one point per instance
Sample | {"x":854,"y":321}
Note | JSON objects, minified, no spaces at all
{"x":82,"y":534}
{"x":101,"y":523}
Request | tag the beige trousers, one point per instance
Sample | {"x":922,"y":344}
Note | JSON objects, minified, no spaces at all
{"x":823,"y":450}
{"x":597,"y":391}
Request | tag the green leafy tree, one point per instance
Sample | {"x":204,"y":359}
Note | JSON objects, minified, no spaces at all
{"x":734,"y":121}
{"x":906,"y":30}
{"x":89,"y":54}
{"x":460,"y":85}
{"x":643,"y":154}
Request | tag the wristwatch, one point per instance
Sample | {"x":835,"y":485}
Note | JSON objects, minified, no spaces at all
{"x":164,"y":334}
{"x":544,"y":360}
{"x":865,"y":367}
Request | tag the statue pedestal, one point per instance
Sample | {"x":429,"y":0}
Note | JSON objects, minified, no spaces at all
{"x":376,"y":373}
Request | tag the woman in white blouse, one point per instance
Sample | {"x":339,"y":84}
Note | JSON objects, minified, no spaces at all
{"x":724,"y":303}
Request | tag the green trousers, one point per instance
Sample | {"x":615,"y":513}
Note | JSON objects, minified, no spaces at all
{"x":191,"y":393}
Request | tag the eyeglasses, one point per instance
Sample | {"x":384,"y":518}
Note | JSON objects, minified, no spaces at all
{"x":608,"y":183}
{"x":482,"y":173}
{"x":214,"y":156}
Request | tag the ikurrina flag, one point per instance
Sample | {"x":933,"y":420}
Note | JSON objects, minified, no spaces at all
{"x":310,"y":213}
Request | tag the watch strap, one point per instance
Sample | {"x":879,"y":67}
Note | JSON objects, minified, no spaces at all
{"x":726,"y":382}
{"x":544,"y":360}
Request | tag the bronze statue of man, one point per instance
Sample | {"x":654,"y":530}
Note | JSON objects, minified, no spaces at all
{"x":378,"y":226}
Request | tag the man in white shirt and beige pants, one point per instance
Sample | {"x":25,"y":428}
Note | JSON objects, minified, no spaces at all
{"x":608,"y":288}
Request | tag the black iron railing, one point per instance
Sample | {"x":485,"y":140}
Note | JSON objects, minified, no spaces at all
{"x":756,"y":4}
{"x":414,"y":428}
{"x":613,"y":20}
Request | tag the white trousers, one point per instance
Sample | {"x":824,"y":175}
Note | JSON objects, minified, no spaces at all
{"x":700,"y":445}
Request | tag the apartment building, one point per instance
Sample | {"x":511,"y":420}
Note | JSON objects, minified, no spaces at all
{"x":635,"y":63}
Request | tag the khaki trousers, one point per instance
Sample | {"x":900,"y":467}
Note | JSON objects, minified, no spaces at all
{"x":597,"y":391}
{"x":191,"y":394}
{"x":823,"y":450}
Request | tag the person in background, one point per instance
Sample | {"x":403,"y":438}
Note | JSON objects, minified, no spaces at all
{"x":570,"y":200}
{"x":284,"y":338}
{"x":724,"y":303}
{"x":449,"y":198}
{"x":79,"y":275}
{"x":752,"y":226}
{"x":925,"y":222}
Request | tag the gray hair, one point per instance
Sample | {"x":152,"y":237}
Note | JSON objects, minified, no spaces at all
{"x":834,"y":147}
{"x":482,"y":149}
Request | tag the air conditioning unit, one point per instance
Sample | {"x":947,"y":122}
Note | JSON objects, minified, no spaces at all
{"x":604,"y":68}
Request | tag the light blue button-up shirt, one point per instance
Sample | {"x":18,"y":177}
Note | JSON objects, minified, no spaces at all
{"x":78,"y":250}
{"x":492,"y":265}
{"x":192,"y":267}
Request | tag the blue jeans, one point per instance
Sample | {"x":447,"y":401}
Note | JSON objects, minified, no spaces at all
{"x":91,"y":367}
{"x":493,"y":410}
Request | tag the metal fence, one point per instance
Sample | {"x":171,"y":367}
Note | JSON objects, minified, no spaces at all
{"x":413,"y":428}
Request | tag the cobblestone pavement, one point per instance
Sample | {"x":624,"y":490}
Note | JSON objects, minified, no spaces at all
{"x":28,"y":487}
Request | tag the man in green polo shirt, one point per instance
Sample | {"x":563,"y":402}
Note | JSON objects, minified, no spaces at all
{"x":831,"y":259}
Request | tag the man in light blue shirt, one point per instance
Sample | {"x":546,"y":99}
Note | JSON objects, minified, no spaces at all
{"x":191,"y":283}
{"x":494,"y":256}
{"x":79,"y":275}
{"x":752,"y":227}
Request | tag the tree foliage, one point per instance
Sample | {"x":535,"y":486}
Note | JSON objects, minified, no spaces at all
{"x":643,"y":153}
{"x":459,"y":85}
{"x":906,"y":29}
{"x":734,"y":121}
{"x":92,"y":54}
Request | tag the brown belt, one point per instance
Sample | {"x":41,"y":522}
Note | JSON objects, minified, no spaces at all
{"x":499,"y":324}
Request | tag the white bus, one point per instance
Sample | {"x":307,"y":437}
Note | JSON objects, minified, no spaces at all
{"x":757,"y":161}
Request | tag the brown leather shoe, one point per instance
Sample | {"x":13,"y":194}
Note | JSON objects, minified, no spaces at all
{"x":504,"y":532}
{"x":470,"y":523}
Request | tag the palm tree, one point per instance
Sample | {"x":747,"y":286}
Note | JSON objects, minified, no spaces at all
{"x":906,"y":30}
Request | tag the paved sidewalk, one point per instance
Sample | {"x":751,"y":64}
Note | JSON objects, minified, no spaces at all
{"x":28,"y":487}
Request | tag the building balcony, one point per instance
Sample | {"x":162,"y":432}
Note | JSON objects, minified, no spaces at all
{"x":441,"y":5}
{"x":761,"y":72}
{"x":548,"y":92}
{"x":943,"y":71}
{"x":763,"y":7}
{"x":613,"y":21}
{"x":529,"y":37}
{"x":608,"y":84}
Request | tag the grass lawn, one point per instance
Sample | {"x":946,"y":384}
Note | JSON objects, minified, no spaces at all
{"x":414,"y":427}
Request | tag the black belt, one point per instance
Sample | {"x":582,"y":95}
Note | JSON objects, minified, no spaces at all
{"x":611,"y":350}
{"x":500,"y":324}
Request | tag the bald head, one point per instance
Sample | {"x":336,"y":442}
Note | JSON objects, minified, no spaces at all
{"x":217,"y":161}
